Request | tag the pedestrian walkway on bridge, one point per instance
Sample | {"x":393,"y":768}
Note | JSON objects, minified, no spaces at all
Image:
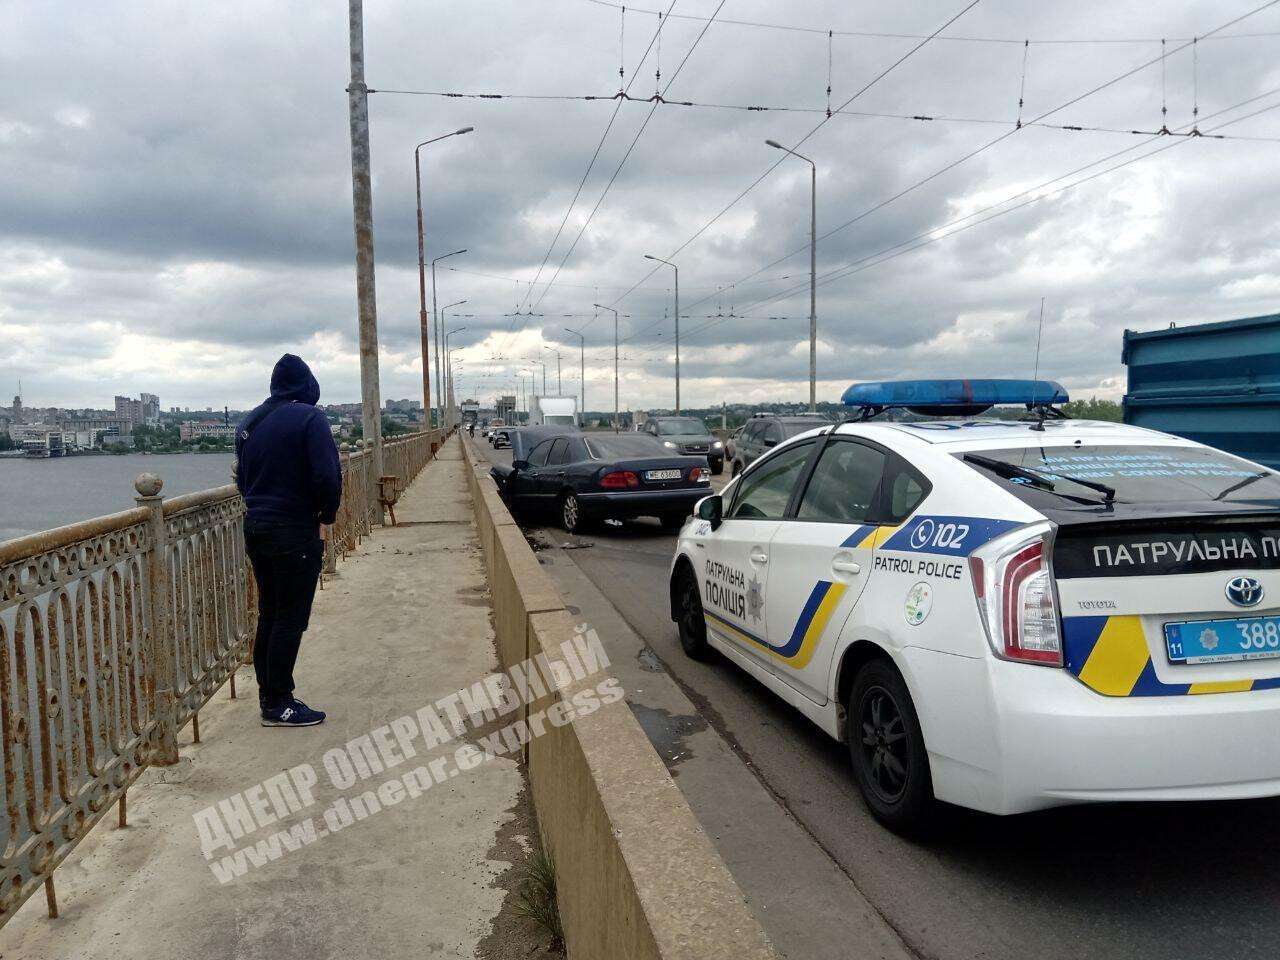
{"x":404,"y":622}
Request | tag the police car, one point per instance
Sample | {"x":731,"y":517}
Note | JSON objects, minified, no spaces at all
{"x":1002,"y":614}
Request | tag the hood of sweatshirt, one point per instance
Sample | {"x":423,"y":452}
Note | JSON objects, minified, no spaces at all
{"x":293,"y":380}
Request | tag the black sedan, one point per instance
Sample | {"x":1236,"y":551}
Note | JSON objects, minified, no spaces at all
{"x":591,"y":477}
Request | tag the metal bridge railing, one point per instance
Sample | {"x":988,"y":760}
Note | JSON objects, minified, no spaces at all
{"x":114,"y":632}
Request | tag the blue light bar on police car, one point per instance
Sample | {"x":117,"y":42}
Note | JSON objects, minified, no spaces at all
{"x":965,"y":396}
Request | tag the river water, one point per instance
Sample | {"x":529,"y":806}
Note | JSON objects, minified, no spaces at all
{"x":38,"y":494}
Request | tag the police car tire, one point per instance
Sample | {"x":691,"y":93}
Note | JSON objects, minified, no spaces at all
{"x":906,"y":810}
{"x":690,"y":623}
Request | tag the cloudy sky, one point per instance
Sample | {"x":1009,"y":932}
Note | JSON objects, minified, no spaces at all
{"x":176,"y":208}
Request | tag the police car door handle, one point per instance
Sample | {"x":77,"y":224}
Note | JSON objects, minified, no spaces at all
{"x":759,"y":556}
{"x":845,"y":564}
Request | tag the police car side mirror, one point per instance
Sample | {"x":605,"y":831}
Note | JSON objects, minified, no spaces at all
{"x":770,"y":443}
{"x":711,"y":509}
{"x":519,"y":464}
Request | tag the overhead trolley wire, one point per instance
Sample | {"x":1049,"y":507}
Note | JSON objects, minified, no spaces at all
{"x":595,"y":155}
{"x":1025,"y":196}
{"x":874,"y":35}
{"x":865,"y":87}
{"x":621,"y":163}
{"x":920,"y":116}
{"x":973,"y":153}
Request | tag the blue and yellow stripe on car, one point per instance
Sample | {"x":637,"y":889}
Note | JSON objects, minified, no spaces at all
{"x":1110,"y":656}
{"x":868,"y":536}
{"x":810,"y":625}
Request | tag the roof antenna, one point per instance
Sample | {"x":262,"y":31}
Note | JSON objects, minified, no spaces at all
{"x":1035,"y":377}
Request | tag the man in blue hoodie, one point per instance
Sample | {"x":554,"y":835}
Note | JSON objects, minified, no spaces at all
{"x":288,"y":472}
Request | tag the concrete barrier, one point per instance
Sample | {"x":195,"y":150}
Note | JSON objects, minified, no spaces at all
{"x":636,"y":875}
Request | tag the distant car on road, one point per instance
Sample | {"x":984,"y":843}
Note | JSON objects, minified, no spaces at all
{"x":584,"y":478}
{"x":730,"y":444}
{"x":764,"y":431}
{"x":687,"y":435}
{"x":501,"y":437}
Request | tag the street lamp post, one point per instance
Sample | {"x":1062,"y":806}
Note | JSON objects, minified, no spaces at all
{"x":617,"y":420}
{"x":813,"y":272}
{"x":582,"y":368}
{"x":677,"y":270}
{"x":449,"y":370}
{"x":441,"y":397}
{"x":422,"y":274}
{"x":438,"y":328}
{"x":559,"y":387}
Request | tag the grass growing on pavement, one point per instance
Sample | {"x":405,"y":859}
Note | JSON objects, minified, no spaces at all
{"x":537,"y":901}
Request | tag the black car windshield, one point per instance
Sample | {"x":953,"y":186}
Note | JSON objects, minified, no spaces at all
{"x":608,"y":446}
{"x":793,"y":428}
{"x":1136,"y":473}
{"x":677,"y":426}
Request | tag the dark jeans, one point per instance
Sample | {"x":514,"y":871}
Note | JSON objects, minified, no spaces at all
{"x":286,"y":564}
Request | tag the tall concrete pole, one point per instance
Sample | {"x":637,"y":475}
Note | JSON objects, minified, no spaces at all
{"x":436,"y":322}
{"x":435,"y":313}
{"x":677,"y":272}
{"x":617,"y":417}
{"x":813,"y":292}
{"x":366,"y":295}
{"x":422,"y":297}
{"x":813,"y":271}
{"x":582,"y":369}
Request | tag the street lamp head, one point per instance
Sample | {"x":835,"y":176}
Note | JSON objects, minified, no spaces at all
{"x":774,"y":143}
{"x":465,"y":130}
{"x":650,"y":256}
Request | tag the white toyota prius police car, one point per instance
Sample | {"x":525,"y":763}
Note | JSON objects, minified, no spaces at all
{"x":1002,"y":614}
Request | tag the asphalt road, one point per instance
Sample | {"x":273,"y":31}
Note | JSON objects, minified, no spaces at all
{"x":1106,"y":881}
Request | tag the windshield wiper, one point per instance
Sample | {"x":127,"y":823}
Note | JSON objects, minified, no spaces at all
{"x":1036,"y":477}
{"x":1243,"y":483}
{"x":1009,"y":471}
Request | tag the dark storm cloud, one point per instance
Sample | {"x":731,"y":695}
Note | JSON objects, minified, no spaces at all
{"x":183,"y":204}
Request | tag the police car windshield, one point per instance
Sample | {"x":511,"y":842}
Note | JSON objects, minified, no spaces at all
{"x":611,"y":446}
{"x":1136,"y":474}
{"x":681,"y":425}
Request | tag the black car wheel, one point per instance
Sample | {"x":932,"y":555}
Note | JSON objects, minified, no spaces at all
{"x":689,"y":619}
{"x":571,"y":517}
{"x":887,"y":748}
{"x":717,"y":467}
{"x":737,"y":468}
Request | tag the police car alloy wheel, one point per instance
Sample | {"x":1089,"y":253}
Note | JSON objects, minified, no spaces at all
{"x":890,"y":762}
{"x":691,"y":623}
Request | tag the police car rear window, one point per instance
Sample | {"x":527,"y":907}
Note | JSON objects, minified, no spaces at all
{"x":1128,"y":474}
{"x":626,"y":445}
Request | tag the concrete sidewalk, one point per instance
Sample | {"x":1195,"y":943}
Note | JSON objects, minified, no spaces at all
{"x":405,"y":622}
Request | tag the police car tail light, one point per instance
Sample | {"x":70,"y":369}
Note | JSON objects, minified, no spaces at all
{"x":620,"y":480}
{"x":1014,"y":585}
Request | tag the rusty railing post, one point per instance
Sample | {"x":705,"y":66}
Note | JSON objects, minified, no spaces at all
{"x":160,"y":640}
